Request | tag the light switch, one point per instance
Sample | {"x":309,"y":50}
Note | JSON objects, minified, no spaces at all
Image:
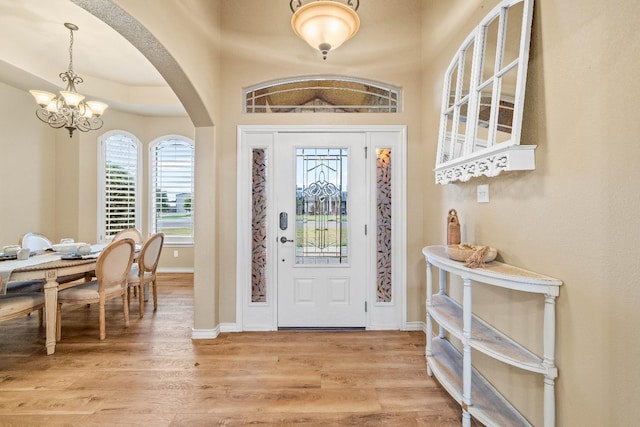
{"x":483,"y":193}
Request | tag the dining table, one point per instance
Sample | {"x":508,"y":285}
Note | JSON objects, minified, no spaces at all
{"x":48,"y":266}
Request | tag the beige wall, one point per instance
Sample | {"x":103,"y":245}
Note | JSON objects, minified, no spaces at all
{"x":575,"y":217}
{"x":27,"y":165}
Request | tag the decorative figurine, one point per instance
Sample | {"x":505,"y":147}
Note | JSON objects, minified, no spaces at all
{"x":453,"y":228}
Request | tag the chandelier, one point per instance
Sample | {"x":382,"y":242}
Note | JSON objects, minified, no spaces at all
{"x":325,"y":24}
{"x":69,"y":110}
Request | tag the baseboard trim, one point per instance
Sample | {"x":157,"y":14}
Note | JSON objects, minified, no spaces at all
{"x":416,"y":326}
{"x":205,"y":334}
{"x":229,"y":327}
{"x":175,"y":270}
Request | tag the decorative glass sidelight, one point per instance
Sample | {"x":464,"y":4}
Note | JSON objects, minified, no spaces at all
{"x":383,"y":225}
{"x":259,"y":226}
{"x":321,"y":206}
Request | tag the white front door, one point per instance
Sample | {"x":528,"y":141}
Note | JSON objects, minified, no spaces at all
{"x":322,"y":247}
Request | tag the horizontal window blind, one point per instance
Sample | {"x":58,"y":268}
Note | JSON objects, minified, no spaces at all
{"x":171,"y":178}
{"x":120,"y":207}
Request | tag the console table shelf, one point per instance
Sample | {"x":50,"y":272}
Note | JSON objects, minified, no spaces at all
{"x":455,"y":370}
{"x":489,"y":406}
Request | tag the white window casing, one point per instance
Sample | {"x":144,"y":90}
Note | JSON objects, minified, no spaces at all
{"x":171,"y":183}
{"x":119,"y":181}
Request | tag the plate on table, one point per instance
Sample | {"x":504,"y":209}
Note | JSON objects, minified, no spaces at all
{"x":71,"y":256}
{"x":4,"y":257}
{"x":67,"y":248}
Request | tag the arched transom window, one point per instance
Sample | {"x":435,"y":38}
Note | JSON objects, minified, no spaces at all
{"x":322,"y":94}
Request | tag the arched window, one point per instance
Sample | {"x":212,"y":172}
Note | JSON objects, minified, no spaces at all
{"x":119,"y":169}
{"x":322,"y":94}
{"x":171,"y":177}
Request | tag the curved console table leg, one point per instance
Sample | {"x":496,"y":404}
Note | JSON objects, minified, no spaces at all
{"x":466,"y":353}
{"x":549,"y":350}
{"x":428,"y":350}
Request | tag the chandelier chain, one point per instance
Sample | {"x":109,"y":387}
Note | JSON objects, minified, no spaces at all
{"x":71,"y":51}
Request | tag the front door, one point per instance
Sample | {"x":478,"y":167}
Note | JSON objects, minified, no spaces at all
{"x":321,"y":243}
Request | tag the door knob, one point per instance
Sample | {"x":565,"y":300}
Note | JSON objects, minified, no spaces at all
{"x":283,"y":239}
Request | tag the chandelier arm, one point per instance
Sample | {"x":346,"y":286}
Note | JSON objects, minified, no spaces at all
{"x":352,"y":6}
{"x":71,"y":79}
{"x":54,"y":120}
{"x":82,"y":124}
{"x":85,"y":124}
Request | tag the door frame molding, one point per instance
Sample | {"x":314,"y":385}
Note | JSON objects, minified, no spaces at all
{"x":252,"y":316}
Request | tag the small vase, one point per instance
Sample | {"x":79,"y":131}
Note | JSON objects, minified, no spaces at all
{"x":453,"y":228}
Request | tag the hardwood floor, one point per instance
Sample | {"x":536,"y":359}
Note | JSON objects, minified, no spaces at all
{"x":153,"y":373}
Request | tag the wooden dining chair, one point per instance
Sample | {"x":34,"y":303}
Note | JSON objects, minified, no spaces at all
{"x":129,"y":233}
{"x":112,"y":269}
{"x":17,"y":305}
{"x":143,"y":272}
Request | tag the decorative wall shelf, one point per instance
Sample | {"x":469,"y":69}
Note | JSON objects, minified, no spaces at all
{"x":509,"y":158}
{"x":454,"y":370}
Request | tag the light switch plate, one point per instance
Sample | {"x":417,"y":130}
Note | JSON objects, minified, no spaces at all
{"x":483,"y":193}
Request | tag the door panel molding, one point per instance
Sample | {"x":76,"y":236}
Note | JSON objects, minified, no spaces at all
{"x":262,"y":316}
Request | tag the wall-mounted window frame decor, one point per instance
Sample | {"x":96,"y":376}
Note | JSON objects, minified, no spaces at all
{"x":483,"y":98}
{"x":322,"y":94}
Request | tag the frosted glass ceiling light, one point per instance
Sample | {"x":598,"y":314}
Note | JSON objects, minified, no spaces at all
{"x":69,"y":110}
{"x":325,"y":25}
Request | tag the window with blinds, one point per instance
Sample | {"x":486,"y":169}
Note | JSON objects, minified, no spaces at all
{"x":171,"y":189}
{"x":119,"y":184}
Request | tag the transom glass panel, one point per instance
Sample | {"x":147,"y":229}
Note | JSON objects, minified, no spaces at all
{"x":321,"y":94}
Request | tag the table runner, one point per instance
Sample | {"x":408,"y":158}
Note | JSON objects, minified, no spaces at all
{"x":7,"y":267}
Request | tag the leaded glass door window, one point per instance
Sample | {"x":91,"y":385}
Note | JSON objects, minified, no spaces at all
{"x":321,"y":206}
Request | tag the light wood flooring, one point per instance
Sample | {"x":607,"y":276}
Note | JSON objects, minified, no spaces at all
{"x":153,"y":374}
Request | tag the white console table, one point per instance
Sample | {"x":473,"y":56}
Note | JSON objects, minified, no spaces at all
{"x":455,"y":371}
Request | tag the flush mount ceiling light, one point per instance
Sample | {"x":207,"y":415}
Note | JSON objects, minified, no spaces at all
{"x":69,"y":110}
{"x":325,"y":25}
